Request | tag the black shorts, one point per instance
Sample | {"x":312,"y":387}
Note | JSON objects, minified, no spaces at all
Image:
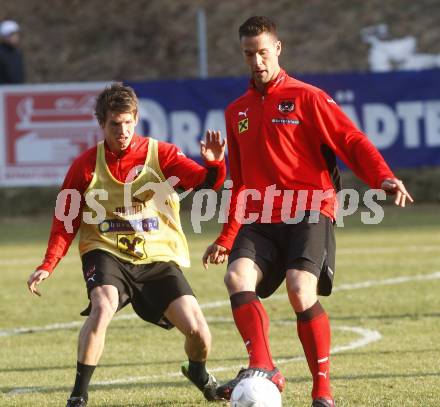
{"x":150,"y":288}
{"x":277,"y":247}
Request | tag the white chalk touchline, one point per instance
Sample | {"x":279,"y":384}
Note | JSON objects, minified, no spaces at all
{"x":367,"y":336}
{"x":388,"y":281}
{"x":222,"y":303}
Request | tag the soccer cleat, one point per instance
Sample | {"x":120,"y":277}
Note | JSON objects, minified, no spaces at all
{"x":224,"y":392}
{"x":322,"y":402}
{"x":77,"y":402}
{"x":208,"y":389}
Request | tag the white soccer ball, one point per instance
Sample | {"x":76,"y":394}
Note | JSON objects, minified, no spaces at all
{"x":255,"y":392}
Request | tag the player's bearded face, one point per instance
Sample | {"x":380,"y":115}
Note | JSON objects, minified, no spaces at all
{"x":119,"y":130}
{"x":261,"y":55}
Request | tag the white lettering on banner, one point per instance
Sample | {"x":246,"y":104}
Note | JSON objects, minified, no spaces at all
{"x":215,"y":120}
{"x":186,"y":131}
{"x":152,"y":112}
{"x":43,"y":127}
{"x":380,"y":123}
{"x":412,"y":120}
{"x":433,"y":124}
{"x":410,"y":113}
{"x":181,"y":127}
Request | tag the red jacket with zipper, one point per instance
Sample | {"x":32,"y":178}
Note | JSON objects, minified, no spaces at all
{"x":287,"y":139}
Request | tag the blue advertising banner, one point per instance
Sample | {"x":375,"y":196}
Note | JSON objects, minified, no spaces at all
{"x":43,"y":127}
{"x":399,"y":111}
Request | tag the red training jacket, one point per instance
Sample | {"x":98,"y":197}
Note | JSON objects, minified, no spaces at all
{"x":287,"y":138}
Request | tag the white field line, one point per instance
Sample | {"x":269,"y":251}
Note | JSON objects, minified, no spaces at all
{"x":222,"y":303}
{"x":367,"y":336}
{"x":25,"y":390}
{"x":388,"y":281}
{"x":355,"y":250}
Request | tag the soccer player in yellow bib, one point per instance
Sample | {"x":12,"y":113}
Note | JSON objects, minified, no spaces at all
{"x":119,"y":195}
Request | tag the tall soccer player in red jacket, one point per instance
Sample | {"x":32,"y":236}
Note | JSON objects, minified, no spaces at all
{"x":283,"y":136}
{"x":134,"y":254}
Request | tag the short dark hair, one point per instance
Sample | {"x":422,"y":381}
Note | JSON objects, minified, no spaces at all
{"x":257,"y":25}
{"x":115,"y":98}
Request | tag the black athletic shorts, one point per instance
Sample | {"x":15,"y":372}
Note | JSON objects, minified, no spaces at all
{"x":150,"y":288}
{"x":277,"y":247}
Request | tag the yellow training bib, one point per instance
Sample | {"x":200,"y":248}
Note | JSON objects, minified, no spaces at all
{"x":138,"y":221}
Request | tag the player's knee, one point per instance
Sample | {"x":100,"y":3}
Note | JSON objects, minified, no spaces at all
{"x":103,"y":311}
{"x":301,"y":296}
{"x":228,"y":280}
{"x":233,"y":280}
{"x":299,"y":290}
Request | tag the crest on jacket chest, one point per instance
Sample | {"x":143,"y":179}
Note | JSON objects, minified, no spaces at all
{"x":286,"y":106}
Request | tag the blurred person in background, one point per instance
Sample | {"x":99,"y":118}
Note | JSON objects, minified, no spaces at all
{"x":11,"y":58}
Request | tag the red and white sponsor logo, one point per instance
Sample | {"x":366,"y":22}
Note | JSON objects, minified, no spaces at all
{"x":43,"y":129}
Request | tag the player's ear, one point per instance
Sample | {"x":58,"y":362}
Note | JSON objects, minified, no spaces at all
{"x":278,"y":48}
{"x":136,"y":117}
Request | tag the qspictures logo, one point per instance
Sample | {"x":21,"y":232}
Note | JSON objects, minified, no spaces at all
{"x":207,"y":204}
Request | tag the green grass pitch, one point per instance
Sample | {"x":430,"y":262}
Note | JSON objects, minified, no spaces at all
{"x":385,"y":315}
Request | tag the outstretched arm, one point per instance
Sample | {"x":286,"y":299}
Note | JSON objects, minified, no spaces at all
{"x":77,"y":178}
{"x":351,"y":145}
{"x":355,"y":149}
{"x":395,"y":186}
{"x":36,"y":278}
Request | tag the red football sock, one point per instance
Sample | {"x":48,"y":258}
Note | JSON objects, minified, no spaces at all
{"x":253,"y":324}
{"x":314,"y":333}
